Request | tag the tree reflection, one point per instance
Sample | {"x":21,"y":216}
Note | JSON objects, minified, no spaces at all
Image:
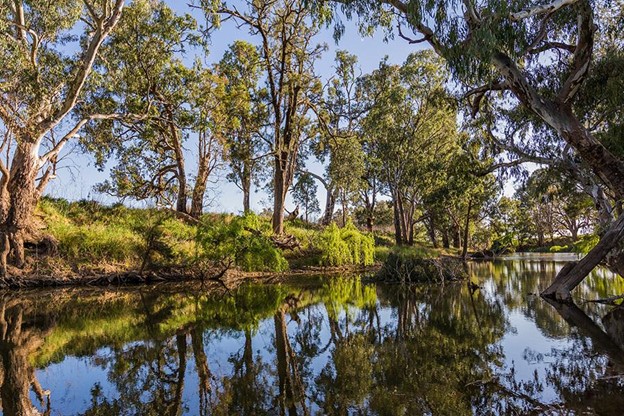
{"x":341,"y":347}
{"x":19,"y":338}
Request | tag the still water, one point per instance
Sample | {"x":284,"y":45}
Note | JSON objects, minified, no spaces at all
{"x":332,"y":345}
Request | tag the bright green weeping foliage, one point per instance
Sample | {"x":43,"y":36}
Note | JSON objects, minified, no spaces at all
{"x":243,"y":242}
{"x":344,"y":246}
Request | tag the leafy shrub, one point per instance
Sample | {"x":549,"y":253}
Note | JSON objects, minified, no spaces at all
{"x":559,"y":249}
{"x":586,"y":243}
{"x":343,"y":246}
{"x":240,"y":241}
{"x":405,"y":267}
{"x":507,"y":243}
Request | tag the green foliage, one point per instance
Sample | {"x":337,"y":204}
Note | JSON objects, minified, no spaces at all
{"x":241,"y":241}
{"x":586,"y":243}
{"x":345,"y":246}
{"x":83,"y":237}
{"x":91,"y":233}
{"x":507,"y":243}
{"x":418,"y":266}
{"x":304,"y":194}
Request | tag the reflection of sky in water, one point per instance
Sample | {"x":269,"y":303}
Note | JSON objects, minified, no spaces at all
{"x":522,"y":343}
{"x":527,"y":342}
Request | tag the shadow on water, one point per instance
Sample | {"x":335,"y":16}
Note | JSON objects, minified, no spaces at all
{"x":326,"y":346}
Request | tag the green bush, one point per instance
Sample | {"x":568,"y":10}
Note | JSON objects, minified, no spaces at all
{"x":240,"y":241}
{"x":412,"y":267}
{"x":507,"y":243}
{"x":586,"y":243}
{"x":345,"y":246}
{"x":559,"y":249}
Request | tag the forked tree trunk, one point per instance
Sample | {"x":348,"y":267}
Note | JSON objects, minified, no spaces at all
{"x":573,"y":273}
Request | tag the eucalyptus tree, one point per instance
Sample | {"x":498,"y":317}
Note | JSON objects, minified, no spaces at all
{"x":245,"y":142}
{"x":537,"y":54}
{"x":286,"y":30}
{"x":41,"y":82}
{"x":557,"y":204}
{"x":304,"y":194}
{"x":413,"y":125}
{"x":339,"y":115}
{"x":142,"y":72}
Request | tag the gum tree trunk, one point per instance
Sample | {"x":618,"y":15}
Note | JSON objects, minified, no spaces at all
{"x":246,"y":187}
{"x":199,"y":191}
{"x":280,"y":188}
{"x":573,"y":273}
{"x":466,"y":231}
{"x":22,"y":199}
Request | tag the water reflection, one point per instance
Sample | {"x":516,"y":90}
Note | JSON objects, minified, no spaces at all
{"x":330,"y":346}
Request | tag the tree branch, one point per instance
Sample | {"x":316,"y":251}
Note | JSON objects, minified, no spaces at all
{"x":545,"y":8}
{"x":84,"y":69}
{"x":74,"y":131}
{"x":582,"y":53}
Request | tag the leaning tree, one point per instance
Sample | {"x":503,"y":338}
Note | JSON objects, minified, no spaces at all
{"x":534,"y":53}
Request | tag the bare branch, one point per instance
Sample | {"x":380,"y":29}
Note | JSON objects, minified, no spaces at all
{"x":410,"y":40}
{"x":545,"y":8}
{"x":480,"y":92}
{"x":52,"y":153}
{"x":471,"y":12}
{"x":552,"y":45}
{"x":419,"y":25}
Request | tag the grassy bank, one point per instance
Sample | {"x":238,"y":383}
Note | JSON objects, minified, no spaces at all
{"x":93,"y":239}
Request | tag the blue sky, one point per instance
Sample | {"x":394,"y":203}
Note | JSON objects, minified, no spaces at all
{"x":78,"y":182}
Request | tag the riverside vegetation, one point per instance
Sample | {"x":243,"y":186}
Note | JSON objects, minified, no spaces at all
{"x":420,"y":148}
{"x":90,"y":243}
{"x":91,"y":239}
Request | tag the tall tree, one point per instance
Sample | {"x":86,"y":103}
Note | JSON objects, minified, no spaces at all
{"x":143,"y":73}
{"x":247,"y":109}
{"x":412,"y":123}
{"x":286,"y":31}
{"x":339,"y":114}
{"x":40,"y":87}
{"x":304,"y":194}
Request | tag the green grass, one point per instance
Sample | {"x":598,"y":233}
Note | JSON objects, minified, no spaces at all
{"x":93,"y":235}
{"x":89,"y":233}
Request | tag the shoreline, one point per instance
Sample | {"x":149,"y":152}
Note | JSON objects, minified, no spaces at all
{"x":133,"y":278}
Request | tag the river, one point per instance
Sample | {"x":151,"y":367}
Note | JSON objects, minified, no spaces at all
{"x":320,"y":345}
